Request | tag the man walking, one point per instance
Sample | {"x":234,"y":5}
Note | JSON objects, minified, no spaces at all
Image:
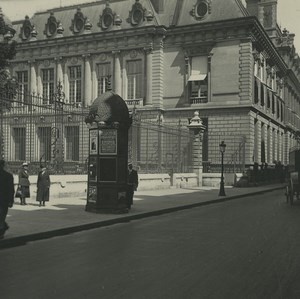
{"x":6,"y":196}
{"x":132,"y":184}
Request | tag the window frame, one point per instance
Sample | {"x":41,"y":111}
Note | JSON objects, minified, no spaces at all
{"x":135,"y":80}
{"x":23,"y":86}
{"x":48,"y":80}
{"x":75,"y":84}
{"x":102,"y":76}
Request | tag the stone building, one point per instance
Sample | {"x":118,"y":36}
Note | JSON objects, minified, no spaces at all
{"x":166,"y":59}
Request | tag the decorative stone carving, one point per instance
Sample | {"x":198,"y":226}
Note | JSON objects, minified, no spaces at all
{"x":103,"y":57}
{"x":87,"y":26}
{"x":46,"y":63}
{"x":133,"y":54}
{"x":59,"y":30}
{"x":34,"y":34}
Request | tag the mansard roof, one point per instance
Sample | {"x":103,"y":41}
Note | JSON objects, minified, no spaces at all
{"x":125,"y":15}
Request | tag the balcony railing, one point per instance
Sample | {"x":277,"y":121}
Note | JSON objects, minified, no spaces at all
{"x":198,"y":100}
{"x":134,"y":103}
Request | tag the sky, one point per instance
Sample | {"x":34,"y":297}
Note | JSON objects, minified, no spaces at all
{"x":288,"y":11}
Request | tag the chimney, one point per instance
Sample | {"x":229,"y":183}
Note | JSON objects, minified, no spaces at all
{"x":265,"y":11}
{"x":158,"y":5}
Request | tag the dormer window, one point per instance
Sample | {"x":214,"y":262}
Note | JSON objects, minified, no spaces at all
{"x":78,"y":22}
{"x":107,"y":18}
{"x":137,"y":14}
{"x":51,"y":26}
{"x":26,"y":29}
{"x":201,"y":9}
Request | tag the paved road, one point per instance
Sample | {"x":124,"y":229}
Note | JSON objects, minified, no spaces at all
{"x":247,"y":248}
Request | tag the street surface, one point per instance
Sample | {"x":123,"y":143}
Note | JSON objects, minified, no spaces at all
{"x":244,"y":248}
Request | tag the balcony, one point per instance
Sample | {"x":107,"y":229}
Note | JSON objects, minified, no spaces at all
{"x":134,"y":103}
{"x":198,"y":100}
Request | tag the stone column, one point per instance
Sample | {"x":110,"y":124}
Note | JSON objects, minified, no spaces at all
{"x":197,"y":128}
{"x":59,"y":71}
{"x":148,"y":52}
{"x":87,"y":81}
{"x":94,"y":82}
{"x":275,"y":142}
{"x":257,"y":141}
{"x":33,"y":82}
{"x":117,"y":84}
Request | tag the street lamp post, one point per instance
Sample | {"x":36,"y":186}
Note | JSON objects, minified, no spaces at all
{"x":222,"y":147}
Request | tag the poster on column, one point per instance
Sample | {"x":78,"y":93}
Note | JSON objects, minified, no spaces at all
{"x":93,"y":142}
{"x":108,"y":142}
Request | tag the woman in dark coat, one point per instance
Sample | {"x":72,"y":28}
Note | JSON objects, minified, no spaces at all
{"x":132,"y":184}
{"x":24,"y":183}
{"x":43,"y":186}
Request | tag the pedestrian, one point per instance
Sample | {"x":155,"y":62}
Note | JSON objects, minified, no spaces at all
{"x":132,"y":184}
{"x":43,"y":186}
{"x":6,"y":196}
{"x":24,"y":183}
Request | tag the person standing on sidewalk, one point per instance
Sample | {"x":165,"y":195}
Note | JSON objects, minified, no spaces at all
{"x":24,"y":183}
{"x":6,"y":196}
{"x":132,"y":184}
{"x":43,"y":185}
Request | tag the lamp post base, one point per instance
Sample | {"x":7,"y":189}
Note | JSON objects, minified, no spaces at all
{"x":222,"y":190}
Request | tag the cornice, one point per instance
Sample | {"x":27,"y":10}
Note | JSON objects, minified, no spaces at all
{"x":96,"y":36}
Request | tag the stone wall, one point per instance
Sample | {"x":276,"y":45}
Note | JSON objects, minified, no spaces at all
{"x":76,"y":185}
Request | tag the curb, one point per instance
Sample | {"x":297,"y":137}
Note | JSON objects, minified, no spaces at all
{"x":22,"y":240}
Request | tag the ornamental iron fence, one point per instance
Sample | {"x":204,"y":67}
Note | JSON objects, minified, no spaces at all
{"x":36,"y":130}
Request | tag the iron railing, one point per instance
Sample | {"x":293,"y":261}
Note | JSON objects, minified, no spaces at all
{"x":57,"y":135}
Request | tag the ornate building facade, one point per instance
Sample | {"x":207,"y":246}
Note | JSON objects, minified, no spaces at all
{"x":166,"y":59}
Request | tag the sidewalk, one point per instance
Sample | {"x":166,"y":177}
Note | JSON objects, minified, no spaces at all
{"x":62,"y":216}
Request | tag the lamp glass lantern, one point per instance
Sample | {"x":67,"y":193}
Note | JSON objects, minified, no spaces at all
{"x":222,"y":147}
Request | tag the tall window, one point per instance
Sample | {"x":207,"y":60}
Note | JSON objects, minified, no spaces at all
{"x":45,"y":143}
{"x":72,"y":143}
{"x":23,"y":86}
{"x":103,"y":71}
{"x":19,"y":136}
{"x":134,"y":79}
{"x":75,"y":84}
{"x":198,"y":83}
{"x":256,"y":91}
{"x":262,"y":94}
{"x":48,"y":85}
